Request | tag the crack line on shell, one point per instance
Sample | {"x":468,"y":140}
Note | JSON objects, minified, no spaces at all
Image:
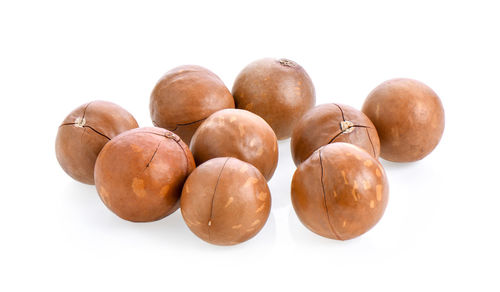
{"x":184,"y":124}
{"x":86,"y":126}
{"x":324,"y":198}
{"x":213,"y":198}
{"x":341,"y":111}
{"x":85,"y":109}
{"x":154,"y":153}
{"x":176,"y":141}
{"x":370,"y":139}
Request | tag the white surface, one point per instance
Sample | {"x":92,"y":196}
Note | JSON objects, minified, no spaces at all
{"x":440,"y":230}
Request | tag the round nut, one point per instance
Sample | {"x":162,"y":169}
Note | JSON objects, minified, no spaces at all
{"x":280,"y":91}
{"x":84,"y":132}
{"x":409,"y":118}
{"x":225,"y":201}
{"x":340,"y":191}
{"x":139,"y":174}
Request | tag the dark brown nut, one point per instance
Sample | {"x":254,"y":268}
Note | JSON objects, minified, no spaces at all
{"x":280,"y":91}
{"x":240,"y":134}
{"x":184,"y":97}
{"x":409,"y":118}
{"x":329,"y":123}
{"x":140,"y":173}
{"x":225,"y":201}
{"x":340,"y":191}
{"x":84,"y":132}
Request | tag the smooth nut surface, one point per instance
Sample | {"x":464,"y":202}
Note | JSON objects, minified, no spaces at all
{"x":340,"y":191}
{"x":409,"y":118}
{"x":225,"y":201}
{"x":240,"y":134}
{"x":84,"y":132}
{"x":185,"y":96}
{"x":278,"y":90}
{"x":139,"y":174}
{"x":329,"y":123}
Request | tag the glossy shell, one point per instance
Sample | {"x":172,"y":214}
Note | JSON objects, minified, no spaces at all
{"x":340,"y":191}
{"x":225,"y":201}
{"x":278,"y":90}
{"x":329,"y":123}
{"x":409,"y":118}
{"x":84,"y":132}
{"x":140,"y":173}
{"x":184,"y":97}
{"x":240,"y":134}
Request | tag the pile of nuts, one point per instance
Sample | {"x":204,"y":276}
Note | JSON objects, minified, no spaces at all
{"x":212,"y":152}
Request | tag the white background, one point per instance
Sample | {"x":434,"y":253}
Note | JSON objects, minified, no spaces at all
{"x":440,"y":230}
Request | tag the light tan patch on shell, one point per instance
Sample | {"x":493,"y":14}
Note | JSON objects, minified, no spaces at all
{"x":255,"y":222}
{"x":236,"y":226}
{"x":344,"y":176}
{"x":136,"y":148}
{"x":262,"y":196}
{"x":138,"y":187}
{"x":221,"y":122}
{"x":186,"y":188}
{"x":378,"y":189}
{"x":244,"y":168}
{"x":259,"y":151}
{"x":232,"y":119}
{"x":241,"y":129}
{"x":366,"y":185}
{"x":368,"y":163}
{"x":344,"y":223}
{"x":250,"y":229}
{"x":250,"y":181}
{"x":252,"y":142}
{"x":164,"y":190}
{"x":229,"y":201}
{"x":378,"y":173}
{"x":354,"y":192}
{"x":260,"y":208}
{"x":372,"y":204}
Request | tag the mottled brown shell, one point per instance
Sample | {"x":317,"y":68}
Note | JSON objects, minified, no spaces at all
{"x":139,"y":174}
{"x":278,"y":90}
{"x":185,"y":96}
{"x":225,"y":201}
{"x":340,"y":191}
{"x":84,"y":132}
{"x":409,"y":118}
{"x":329,"y":123}
{"x":240,"y":134}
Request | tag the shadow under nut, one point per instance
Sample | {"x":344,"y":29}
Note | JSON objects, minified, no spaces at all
{"x":240,"y":134}
{"x":409,"y":118}
{"x":140,"y":173}
{"x":225,"y":201}
{"x":278,"y":90}
{"x":83,"y":134}
{"x":330,"y":123}
{"x":185,"y":96}
{"x":340,"y":191}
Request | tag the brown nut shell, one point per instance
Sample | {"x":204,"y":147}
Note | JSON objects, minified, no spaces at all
{"x":240,"y":134}
{"x":340,"y":191}
{"x":185,"y":96}
{"x":409,"y":118}
{"x":329,"y":123}
{"x":139,"y":174}
{"x":225,"y":201}
{"x":84,"y":132}
{"x":278,"y":90}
